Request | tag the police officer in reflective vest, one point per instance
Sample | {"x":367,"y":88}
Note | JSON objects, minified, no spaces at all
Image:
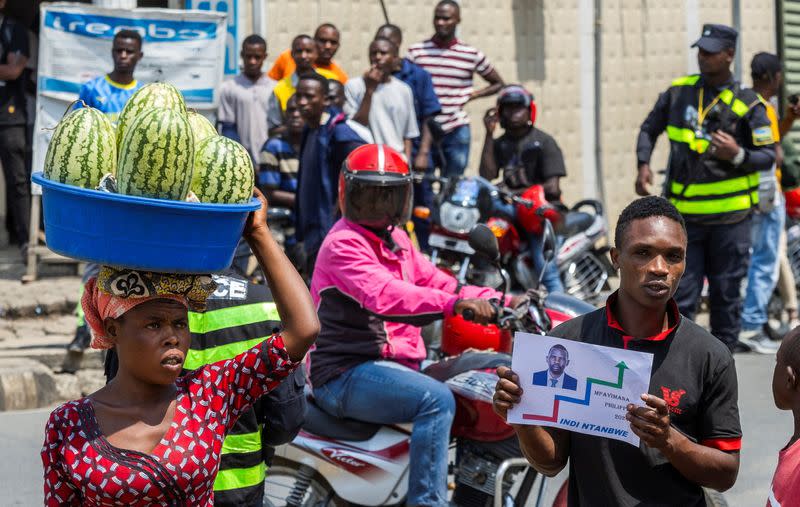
{"x":720,"y":138}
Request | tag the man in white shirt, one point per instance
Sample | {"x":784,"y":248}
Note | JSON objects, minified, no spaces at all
{"x":243,"y":100}
{"x":382,"y":103}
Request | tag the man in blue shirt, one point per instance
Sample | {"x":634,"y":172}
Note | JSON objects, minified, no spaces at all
{"x":327,"y":140}
{"x":110,"y":92}
{"x":426,"y":105}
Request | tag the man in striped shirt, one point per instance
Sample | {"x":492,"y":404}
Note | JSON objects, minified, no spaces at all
{"x":452,"y":64}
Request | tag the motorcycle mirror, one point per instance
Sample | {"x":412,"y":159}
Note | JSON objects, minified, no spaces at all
{"x":484,"y":242}
{"x":548,"y":242}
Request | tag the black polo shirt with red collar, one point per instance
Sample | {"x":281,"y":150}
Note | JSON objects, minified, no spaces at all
{"x":695,"y":373}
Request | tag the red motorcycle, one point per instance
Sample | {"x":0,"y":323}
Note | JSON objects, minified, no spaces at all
{"x":344,"y":461}
{"x":464,"y":202}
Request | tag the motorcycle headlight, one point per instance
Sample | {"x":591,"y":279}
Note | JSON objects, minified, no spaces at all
{"x":458,"y":219}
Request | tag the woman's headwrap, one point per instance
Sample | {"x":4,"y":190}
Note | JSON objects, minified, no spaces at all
{"x":116,"y":291}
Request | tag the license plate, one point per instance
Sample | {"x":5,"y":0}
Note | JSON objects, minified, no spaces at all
{"x":448,"y":243}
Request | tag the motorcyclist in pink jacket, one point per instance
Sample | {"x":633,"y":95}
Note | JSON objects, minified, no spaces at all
{"x":373,"y":290}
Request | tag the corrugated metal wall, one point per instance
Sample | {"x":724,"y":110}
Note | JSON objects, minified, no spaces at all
{"x":791,"y":53}
{"x":644,"y":46}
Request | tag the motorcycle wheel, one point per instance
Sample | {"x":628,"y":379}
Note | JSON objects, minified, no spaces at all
{"x":492,"y":453}
{"x":283,"y":477}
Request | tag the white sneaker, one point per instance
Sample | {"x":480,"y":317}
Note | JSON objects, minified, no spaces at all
{"x":759,"y":342}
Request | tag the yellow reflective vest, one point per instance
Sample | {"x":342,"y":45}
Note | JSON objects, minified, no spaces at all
{"x":702,"y":187}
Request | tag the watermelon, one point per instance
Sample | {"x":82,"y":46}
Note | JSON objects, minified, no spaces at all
{"x":156,"y":155}
{"x":223,"y":171}
{"x":149,"y":96}
{"x":82,"y":150}
{"x":201,"y":127}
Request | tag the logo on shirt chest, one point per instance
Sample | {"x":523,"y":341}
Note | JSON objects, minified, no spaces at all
{"x":673,"y":399}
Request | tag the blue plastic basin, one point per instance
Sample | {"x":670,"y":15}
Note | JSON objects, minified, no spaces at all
{"x":138,"y":232}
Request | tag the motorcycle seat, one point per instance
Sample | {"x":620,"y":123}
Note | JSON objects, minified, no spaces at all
{"x":575,"y":222}
{"x":325,"y":425}
{"x":470,"y":360}
{"x":568,"y":305}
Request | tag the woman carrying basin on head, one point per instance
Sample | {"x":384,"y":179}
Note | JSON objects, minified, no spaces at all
{"x":150,"y":437}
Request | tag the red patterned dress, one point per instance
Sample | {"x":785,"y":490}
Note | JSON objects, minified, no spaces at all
{"x":82,"y":468}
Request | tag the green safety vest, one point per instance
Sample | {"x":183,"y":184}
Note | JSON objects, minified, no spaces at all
{"x":709,"y":196}
{"x":221,"y":333}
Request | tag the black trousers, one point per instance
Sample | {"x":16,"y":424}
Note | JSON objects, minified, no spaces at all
{"x":18,"y":179}
{"x":720,"y":253}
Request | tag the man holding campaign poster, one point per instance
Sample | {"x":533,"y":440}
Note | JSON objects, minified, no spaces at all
{"x":554,"y":376}
{"x":687,"y":421}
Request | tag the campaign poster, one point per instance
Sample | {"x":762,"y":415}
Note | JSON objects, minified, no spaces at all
{"x":578,"y":386}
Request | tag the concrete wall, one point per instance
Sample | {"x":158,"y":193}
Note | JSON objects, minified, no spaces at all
{"x":644,"y":46}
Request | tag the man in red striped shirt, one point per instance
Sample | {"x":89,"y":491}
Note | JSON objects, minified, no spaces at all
{"x":452,"y":63}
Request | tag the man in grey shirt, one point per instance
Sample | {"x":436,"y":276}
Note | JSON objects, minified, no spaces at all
{"x":382,"y":103}
{"x":243,"y":100}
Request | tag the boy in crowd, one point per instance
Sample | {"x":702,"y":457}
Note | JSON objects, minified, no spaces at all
{"x":785,"y":488}
{"x":107,"y":93}
{"x":327,"y":39}
{"x":381,"y":102}
{"x":304,"y":55}
{"x":243,"y":100}
{"x":277,"y":175}
{"x":110,"y":92}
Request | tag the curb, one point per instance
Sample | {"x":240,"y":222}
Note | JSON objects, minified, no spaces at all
{"x":44,"y":297}
{"x":25,"y":383}
{"x":38,"y":310}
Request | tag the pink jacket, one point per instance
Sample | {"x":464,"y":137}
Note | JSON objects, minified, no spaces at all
{"x":372,"y":300}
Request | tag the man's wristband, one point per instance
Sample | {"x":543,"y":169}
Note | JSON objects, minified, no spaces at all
{"x":739,"y":158}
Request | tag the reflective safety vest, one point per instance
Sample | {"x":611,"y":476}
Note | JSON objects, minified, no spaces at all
{"x":232,"y":325}
{"x":702,"y":186}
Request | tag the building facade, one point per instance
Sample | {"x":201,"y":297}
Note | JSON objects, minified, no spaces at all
{"x":595,"y":67}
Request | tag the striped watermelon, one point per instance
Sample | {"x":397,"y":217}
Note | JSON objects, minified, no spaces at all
{"x":201,"y":127}
{"x":156,"y":154}
{"x":82,"y":150}
{"x":223,"y":171}
{"x":149,"y":96}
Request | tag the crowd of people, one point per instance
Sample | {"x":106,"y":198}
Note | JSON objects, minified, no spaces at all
{"x":196,"y":399}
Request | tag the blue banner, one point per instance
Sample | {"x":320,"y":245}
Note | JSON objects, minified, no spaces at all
{"x":231,"y":8}
{"x":151,"y":30}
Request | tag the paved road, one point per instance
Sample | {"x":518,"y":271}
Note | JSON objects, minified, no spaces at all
{"x":766,"y":431}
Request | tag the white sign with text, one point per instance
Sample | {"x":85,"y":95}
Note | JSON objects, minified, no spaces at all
{"x":578,"y":386}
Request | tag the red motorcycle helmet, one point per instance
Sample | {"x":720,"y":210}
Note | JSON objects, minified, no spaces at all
{"x":375,"y":187}
{"x":793,"y":203}
{"x":459,"y":335}
{"x":532,"y":219}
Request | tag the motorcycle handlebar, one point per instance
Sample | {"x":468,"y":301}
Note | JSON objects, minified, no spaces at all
{"x":419,"y":177}
{"x":499,"y":311}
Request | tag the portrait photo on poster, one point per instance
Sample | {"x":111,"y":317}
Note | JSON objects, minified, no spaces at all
{"x":577,"y":386}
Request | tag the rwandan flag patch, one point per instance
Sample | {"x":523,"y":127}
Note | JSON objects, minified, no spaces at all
{"x":763,"y":136}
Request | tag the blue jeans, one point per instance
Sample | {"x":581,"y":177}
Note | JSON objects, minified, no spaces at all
{"x":552,"y":278}
{"x":452,"y":154}
{"x":386,"y":392}
{"x":763,"y":273}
